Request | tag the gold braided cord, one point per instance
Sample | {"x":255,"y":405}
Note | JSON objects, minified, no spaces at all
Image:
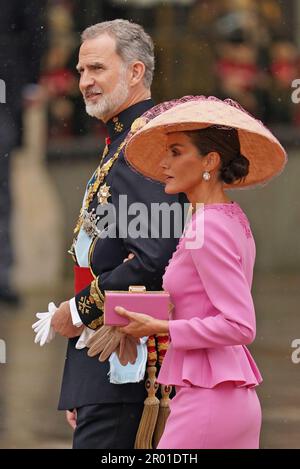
{"x":95,"y":294}
{"x":98,"y":289}
{"x":163,"y":341}
{"x":101,"y":173}
{"x":91,"y":192}
{"x":152,"y":351}
{"x":96,"y":323}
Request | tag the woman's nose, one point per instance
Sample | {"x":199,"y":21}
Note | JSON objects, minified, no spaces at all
{"x":164,"y":163}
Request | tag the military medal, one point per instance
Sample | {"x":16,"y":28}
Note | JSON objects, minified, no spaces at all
{"x":88,"y":220}
{"x":89,"y":223}
{"x":103,"y":194}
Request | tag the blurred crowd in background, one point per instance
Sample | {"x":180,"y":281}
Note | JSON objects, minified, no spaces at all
{"x":242,"y":49}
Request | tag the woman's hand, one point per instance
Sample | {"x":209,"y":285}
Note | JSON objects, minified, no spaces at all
{"x":141,"y":325}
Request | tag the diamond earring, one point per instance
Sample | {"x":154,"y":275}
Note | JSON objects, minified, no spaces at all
{"x":206,"y":175}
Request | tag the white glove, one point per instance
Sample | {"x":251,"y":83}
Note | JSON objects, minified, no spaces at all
{"x":43,"y":329}
{"x":45,"y":332}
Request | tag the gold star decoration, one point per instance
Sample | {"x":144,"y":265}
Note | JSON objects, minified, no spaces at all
{"x":104,"y":194}
{"x":118,"y":125}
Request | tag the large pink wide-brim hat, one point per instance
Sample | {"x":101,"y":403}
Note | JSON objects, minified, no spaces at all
{"x":148,"y":145}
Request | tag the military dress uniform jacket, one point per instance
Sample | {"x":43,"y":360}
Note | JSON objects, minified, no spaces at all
{"x":85,"y":379}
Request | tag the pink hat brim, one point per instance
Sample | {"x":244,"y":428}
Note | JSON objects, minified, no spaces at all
{"x":146,"y":148}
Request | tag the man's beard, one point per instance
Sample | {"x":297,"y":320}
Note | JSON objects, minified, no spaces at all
{"x":108,"y":103}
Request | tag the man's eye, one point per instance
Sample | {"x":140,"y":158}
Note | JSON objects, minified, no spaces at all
{"x":175,"y":152}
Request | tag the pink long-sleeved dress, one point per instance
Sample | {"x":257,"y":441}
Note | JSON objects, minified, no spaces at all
{"x":216,"y":405}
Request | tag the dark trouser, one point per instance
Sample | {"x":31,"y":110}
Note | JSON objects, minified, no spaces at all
{"x":8,"y":140}
{"x":107,"y":426}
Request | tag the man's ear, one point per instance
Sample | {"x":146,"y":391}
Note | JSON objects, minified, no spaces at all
{"x":137,"y":73}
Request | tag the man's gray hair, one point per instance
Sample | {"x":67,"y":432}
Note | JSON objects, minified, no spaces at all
{"x":132,"y":43}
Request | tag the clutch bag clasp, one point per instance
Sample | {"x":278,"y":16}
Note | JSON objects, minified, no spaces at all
{"x":137,"y":289}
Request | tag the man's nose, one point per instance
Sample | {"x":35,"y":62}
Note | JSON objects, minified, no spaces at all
{"x":86,"y":80}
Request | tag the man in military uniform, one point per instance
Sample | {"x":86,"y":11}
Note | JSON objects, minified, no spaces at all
{"x":116,"y":64}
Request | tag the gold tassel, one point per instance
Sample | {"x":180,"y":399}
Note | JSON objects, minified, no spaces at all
{"x":146,"y":428}
{"x":163,"y":414}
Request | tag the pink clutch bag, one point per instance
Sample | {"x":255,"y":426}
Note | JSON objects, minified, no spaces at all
{"x":137,"y":299}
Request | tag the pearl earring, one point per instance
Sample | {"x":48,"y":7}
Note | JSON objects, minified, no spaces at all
{"x":206,"y":175}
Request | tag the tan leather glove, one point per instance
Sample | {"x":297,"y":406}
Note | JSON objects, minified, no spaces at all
{"x":127,"y":350}
{"x":104,"y":342}
{"x":108,"y":339}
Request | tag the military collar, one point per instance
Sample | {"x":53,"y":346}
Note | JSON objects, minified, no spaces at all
{"x":122,"y":122}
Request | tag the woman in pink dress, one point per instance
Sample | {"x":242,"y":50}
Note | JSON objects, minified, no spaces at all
{"x":205,"y":146}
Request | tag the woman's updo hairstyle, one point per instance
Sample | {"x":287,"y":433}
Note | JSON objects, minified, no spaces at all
{"x":225,"y":141}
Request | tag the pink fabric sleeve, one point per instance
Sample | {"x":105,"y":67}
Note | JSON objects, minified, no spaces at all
{"x":232,"y":316}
